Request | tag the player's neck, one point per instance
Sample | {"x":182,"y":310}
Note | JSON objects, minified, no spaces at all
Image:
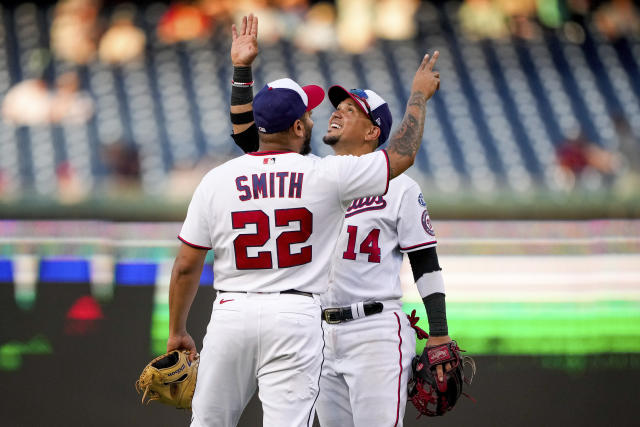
{"x":266,"y":146}
{"x":281,"y":141}
{"x":346,"y":149}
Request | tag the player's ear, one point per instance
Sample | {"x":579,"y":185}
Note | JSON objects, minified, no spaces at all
{"x":298,"y":128}
{"x":372,"y":134}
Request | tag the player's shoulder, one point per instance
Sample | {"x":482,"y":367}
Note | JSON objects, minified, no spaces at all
{"x":406,"y":180}
{"x":349,"y":160}
{"x":223,"y":170}
{"x":402,"y":183}
{"x":330,"y":161}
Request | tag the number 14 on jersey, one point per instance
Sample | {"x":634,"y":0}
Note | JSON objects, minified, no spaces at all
{"x":368,"y":246}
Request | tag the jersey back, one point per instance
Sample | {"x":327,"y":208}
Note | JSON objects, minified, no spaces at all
{"x":273,"y":218}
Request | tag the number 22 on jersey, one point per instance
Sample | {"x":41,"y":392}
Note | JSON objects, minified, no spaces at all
{"x":264,"y":259}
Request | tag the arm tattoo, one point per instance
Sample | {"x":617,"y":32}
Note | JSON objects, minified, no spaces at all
{"x":406,"y":140}
{"x":417,"y":99}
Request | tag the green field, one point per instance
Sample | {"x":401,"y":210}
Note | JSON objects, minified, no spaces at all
{"x":542,"y":328}
{"x":515,"y":328}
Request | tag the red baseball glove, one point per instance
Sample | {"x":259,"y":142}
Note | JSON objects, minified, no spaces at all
{"x":430,"y":396}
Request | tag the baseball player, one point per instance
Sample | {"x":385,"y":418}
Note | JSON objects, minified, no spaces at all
{"x":369,"y":343}
{"x":272,"y":219}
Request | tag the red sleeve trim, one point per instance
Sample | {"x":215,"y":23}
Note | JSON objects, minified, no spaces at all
{"x":421,"y":245}
{"x":193,"y":245}
{"x":386,"y":156}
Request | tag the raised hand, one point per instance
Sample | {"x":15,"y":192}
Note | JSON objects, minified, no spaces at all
{"x":405,"y":141}
{"x":426,"y":80}
{"x":244,"y":47}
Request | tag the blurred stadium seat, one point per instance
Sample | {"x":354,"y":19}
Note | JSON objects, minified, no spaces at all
{"x":504,"y":106}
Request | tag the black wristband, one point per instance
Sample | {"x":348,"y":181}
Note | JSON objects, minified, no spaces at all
{"x":241,"y":95}
{"x":242,"y":75}
{"x":437,"y":314}
{"x":241,"y":118}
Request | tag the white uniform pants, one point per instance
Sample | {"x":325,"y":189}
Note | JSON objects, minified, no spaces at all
{"x":273,"y":341}
{"x":365,"y":372}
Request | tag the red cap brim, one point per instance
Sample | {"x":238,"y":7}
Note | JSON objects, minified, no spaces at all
{"x":337,"y":94}
{"x":315,"y":95}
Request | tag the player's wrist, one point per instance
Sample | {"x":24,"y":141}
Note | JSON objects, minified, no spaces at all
{"x":438,"y":340}
{"x":418,"y":97}
{"x":436,"y":309}
{"x":177,"y":331}
{"x":242,"y":74}
{"x":241,"y":85}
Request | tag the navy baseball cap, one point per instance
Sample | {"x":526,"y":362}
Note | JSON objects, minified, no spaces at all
{"x":280,"y":103}
{"x":371,"y":104}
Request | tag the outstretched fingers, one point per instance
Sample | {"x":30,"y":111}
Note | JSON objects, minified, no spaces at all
{"x":423,"y":64}
{"x":433,"y":60}
{"x":254,"y":27}
{"x":249,"y":25}
{"x":243,"y":27}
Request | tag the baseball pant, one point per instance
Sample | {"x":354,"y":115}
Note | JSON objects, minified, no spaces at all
{"x":365,"y":372}
{"x":272,"y":341}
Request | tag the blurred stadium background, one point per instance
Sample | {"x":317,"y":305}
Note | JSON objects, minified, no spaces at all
{"x":530,"y":164}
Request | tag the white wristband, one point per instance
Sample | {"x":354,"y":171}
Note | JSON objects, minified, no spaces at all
{"x":430,"y":283}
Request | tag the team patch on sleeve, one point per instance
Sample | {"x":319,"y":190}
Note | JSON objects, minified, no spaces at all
{"x":421,"y":201}
{"x":426,"y":223}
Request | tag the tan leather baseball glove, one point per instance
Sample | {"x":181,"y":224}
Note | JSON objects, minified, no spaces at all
{"x":169,"y":379}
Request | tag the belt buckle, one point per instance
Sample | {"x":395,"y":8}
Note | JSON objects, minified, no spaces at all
{"x":327,"y":314}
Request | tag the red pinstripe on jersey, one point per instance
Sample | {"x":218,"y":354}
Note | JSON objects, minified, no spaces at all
{"x":400,"y":374}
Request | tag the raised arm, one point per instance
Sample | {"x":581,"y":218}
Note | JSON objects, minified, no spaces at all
{"x":244,"y":49}
{"x":405,"y":141}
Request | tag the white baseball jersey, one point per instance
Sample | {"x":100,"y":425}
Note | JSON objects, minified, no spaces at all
{"x":272,"y":218}
{"x":376,"y":231}
{"x":370,"y":387}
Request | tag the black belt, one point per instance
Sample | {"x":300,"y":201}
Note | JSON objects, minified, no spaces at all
{"x":344,"y":314}
{"x":288,"y":291}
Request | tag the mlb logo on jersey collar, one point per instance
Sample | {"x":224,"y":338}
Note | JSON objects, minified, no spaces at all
{"x":269,"y":161}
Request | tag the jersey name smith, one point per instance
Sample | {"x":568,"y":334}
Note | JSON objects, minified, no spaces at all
{"x":270,"y":185}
